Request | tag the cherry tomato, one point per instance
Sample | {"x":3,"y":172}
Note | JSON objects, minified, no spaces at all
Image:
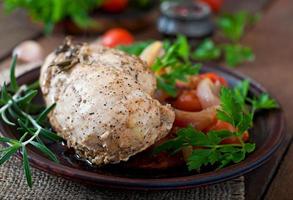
{"x":220,"y":125}
{"x":214,"y":78}
{"x":187,"y":101}
{"x":114,"y":5}
{"x":215,"y":5}
{"x":235,"y":140}
{"x":117,"y":36}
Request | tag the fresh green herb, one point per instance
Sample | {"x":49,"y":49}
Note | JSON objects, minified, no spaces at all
{"x":32,"y":128}
{"x":210,"y":150}
{"x":236,"y":54}
{"x":232,"y":26}
{"x":207,"y":50}
{"x":51,"y":12}
{"x":175,"y":64}
{"x":262,"y":102}
{"x":136,"y":48}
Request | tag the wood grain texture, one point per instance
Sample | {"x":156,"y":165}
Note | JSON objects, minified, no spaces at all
{"x":272,"y":42}
{"x":14,"y":28}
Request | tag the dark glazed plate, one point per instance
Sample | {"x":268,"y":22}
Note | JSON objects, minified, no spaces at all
{"x":267,"y":133}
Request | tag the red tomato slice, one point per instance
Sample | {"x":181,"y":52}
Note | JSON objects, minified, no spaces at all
{"x":220,"y":125}
{"x":187,"y":101}
{"x":114,"y":5}
{"x":214,"y":78}
{"x":215,"y":5}
{"x":117,"y":36}
{"x":235,"y":140}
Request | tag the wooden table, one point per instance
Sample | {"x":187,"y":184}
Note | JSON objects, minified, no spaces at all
{"x":272,"y":41}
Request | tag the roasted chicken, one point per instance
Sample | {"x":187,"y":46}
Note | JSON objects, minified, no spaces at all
{"x":105,"y":108}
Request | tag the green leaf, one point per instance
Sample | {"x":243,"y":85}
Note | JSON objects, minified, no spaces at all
{"x":207,"y":50}
{"x":9,"y":152}
{"x":135,"y":48}
{"x":232,"y":26}
{"x":50,"y":135}
{"x":45,"y":112}
{"x":170,"y":145}
{"x":168,"y":88}
{"x":221,"y":133}
{"x":13,"y":83}
{"x":231,"y":110}
{"x":5,"y":119}
{"x":213,"y":157}
{"x":45,"y":150}
{"x":174,"y":66}
{"x":249,"y":147}
{"x":264,"y":102}
{"x":198,"y":158}
{"x":241,"y":91}
{"x":236,"y":54}
{"x":6,"y":140}
{"x":26,"y":167}
{"x":245,"y":123}
{"x":238,"y":156}
{"x":34,"y":86}
{"x":27,"y":98}
{"x":183,"y":47}
{"x":4,"y":94}
{"x":226,"y":117}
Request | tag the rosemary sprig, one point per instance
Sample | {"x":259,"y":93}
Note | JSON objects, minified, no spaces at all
{"x":13,"y":103}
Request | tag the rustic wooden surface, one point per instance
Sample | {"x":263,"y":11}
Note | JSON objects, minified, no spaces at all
{"x":14,"y":29}
{"x":272,"y":41}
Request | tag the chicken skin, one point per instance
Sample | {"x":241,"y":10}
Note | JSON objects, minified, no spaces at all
{"x":105,"y":108}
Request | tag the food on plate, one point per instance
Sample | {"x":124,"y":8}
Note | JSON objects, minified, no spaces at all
{"x":152,"y":109}
{"x":105,"y":106}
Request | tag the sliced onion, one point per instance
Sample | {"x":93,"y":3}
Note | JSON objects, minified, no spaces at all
{"x":152,"y":52}
{"x":207,"y":93}
{"x":199,"y":120}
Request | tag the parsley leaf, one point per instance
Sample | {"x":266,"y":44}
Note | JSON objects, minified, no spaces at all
{"x":264,"y":102}
{"x":236,"y":54}
{"x":232,"y":26}
{"x":207,"y":50}
{"x":135,"y":48}
{"x":175,"y":65}
{"x":209,"y":149}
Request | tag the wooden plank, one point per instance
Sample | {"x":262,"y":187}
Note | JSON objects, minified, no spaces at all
{"x":14,"y":29}
{"x":281,"y":186}
{"x":251,"y":5}
{"x":272,"y":43}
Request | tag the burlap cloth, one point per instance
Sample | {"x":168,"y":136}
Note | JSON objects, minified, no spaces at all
{"x":13,"y":184}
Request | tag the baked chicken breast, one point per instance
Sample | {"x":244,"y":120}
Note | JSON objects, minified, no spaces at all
{"x":105,"y":108}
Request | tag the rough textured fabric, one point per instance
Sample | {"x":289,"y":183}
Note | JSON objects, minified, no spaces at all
{"x":13,"y":186}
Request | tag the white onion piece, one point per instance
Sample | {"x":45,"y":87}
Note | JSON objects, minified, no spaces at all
{"x":199,"y":120}
{"x":29,"y":51}
{"x":207,"y":93}
{"x":152,"y":52}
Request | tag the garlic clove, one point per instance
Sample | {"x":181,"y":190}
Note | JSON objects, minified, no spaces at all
{"x":29,"y":51}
